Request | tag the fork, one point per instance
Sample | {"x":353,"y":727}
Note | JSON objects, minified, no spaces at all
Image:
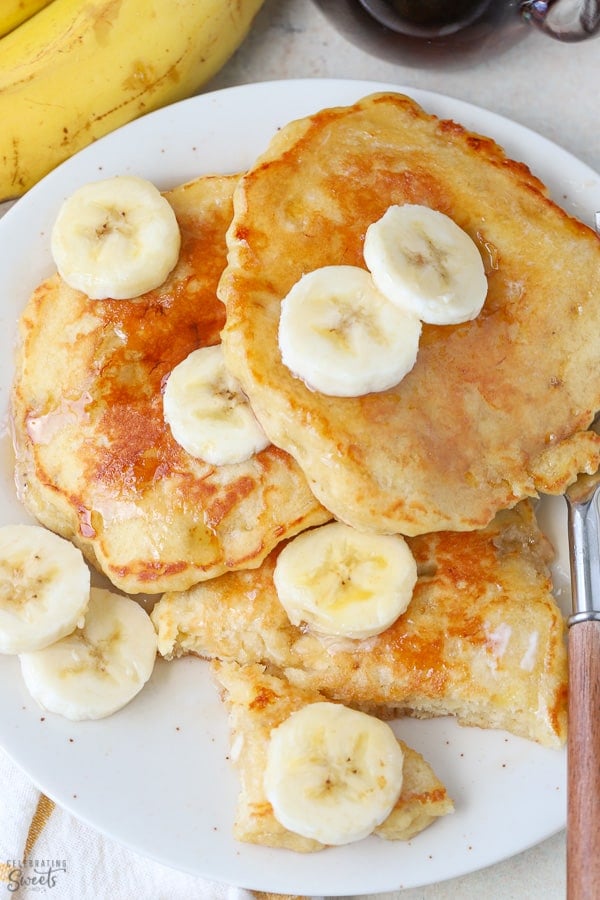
{"x":583,"y":741}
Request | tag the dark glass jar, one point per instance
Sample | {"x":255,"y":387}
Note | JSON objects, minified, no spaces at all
{"x":455,"y":33}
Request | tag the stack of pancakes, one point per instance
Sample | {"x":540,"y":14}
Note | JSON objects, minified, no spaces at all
{"x":495,"y":412}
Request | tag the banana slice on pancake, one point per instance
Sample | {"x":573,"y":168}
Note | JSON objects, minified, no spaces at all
{"x":426,"y":264}
{"x":116,"y":238}
{"x":333,"y":774}
{"x":44,"y":588}
{"x":345,"y":582}
{"x":342,"y":337}
{"x":101,"y":666}
{"x":207,"y":412}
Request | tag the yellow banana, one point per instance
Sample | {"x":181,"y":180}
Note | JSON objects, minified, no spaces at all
{"x":81,"y":68}
{"x":13,"y":12}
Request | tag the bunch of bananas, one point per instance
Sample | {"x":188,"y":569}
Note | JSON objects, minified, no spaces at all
{"x":73,"y":70}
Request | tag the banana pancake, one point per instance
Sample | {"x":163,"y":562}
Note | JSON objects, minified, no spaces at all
{"x":482,"y":638}
{"x":95,"y":461}
{"x":258,"y":702}
{"x":495,"y":409}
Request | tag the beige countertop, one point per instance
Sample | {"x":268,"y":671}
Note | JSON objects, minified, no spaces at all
{"x":546,"y":86}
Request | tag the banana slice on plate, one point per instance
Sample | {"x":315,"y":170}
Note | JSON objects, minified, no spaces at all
{"x":426,"y":264}
{"x":98,"y":668}
{"x":207,"y":412}
{"x":332,"y":774}
{"x":44,"y":588}
{"x":116,"y":238}
{"x":342,"y":337}
{"x":345,"y":582}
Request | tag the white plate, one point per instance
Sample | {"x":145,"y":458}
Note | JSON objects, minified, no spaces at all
{"x":156,"y":775}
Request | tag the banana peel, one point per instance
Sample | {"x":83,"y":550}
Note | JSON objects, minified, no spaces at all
{"x":78,"y":69}
{"x":14,"y":12}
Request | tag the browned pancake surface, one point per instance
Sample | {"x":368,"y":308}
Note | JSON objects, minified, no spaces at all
{"x":95,"y":460}
{"x":494,"y":410}
{"x":258,"y":702}
{"x":482,"y":638}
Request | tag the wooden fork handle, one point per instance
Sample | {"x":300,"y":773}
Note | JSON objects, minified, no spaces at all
{"x":583,"y":783}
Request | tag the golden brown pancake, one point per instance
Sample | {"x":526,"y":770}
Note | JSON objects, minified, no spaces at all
{"x":496,"y":409}
{"x":482,"y":638}
{"x":257,"y":702}
{"x":95,"y":460}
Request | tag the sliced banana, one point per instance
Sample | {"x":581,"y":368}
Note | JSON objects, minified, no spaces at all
{"x":115,"y":238}
{"x":426,"y":264}
{"x":98,"y":668}
{"x":207,"y":412}
{"x":345,"y":582}
{"x":332,"y":774}
{"x":44,"y":588}
{"x":342,"y":337}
